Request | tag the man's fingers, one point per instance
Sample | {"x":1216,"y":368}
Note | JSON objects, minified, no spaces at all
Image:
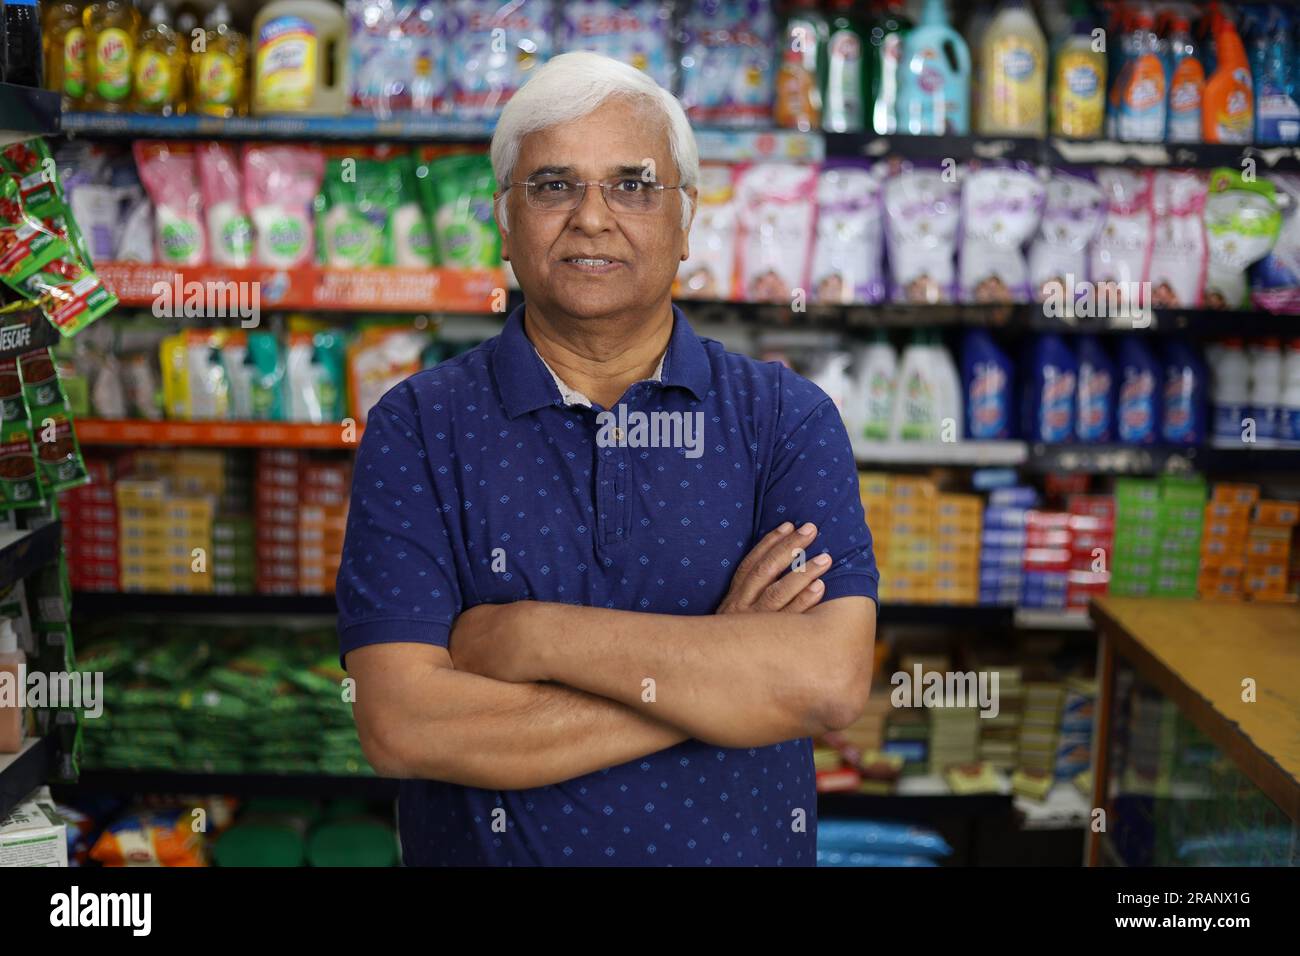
{"x":759,"y":550}
{"x":779,"y":594}
{"x":772,"y":565}
{"x":806,"y":599}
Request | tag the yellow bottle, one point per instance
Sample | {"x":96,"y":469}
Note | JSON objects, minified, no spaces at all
{"x":219,"y":72}
{"x":65,"y":53}
{"x":111,"y":28}
{"x":160,"y":63}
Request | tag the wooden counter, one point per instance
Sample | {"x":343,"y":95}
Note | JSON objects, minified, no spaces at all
{"x":1197,"y":653}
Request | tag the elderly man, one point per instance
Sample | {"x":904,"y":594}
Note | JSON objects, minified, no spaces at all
{"x":603,"y":580}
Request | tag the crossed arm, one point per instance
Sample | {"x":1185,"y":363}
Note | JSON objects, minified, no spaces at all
{"x":536,"y":693}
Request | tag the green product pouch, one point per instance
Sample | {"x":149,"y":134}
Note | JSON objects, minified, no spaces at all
{"x":266,"y":379}
{"x":353,"y":215}
{"x":25,"y":243}
{"x":457,"y":193}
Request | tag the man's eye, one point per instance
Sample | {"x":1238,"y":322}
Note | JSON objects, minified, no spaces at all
{"x":554,"y":185}
{"x":632,"y":185}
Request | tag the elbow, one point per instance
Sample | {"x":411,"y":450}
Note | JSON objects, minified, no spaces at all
{"x":841,"y":695}
{"x":386,"y":747}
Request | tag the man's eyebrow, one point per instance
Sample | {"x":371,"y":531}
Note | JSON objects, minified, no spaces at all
{"x":551,"y":171}
{"x":627,"y":169}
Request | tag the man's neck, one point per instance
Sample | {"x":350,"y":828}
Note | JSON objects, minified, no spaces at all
{"x":601,"y":357}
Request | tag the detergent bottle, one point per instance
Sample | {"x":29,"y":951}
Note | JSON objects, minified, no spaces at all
{"x":950,"y":405}
{"x":219,"y":73}
{"x":111,"y":27}
{"x":988,"y":387}
{"x":1137,"y":411}
{"x":1048,"y":409}
{"x":1184,"y":402}
{"x":300,"y":58}
{"x":1277,"y":114}
{"x":1230,"y":391}
{"x":1079,"y":84}
{"x":65,"y":52}
{"x":159,"y":72}
{"x":916,"y":400}
{"x":1013,"y":74}
{"x":800,"y":68}
{"x":1186,"y":85}
{"x":1095,"y":405}
{"x":873,"y":389}
{"x":887,"y":34}
{"x":846,"y":100}
{"x":1142,"y":99}
{"x":934,"y":77}
{"x":1228,"y":111}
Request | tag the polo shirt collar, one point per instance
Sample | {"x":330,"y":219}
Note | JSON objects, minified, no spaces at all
{"x":526,"y":383}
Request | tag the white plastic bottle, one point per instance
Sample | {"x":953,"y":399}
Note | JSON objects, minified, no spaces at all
{"x":916,"y":412}
{"x":11,"y":664}
{"x":1230,"y":394}
{"x":874,"y":381}
{"x":951,"y":410}
{"x":832,"y":377}
{"x":1291,"y":394}
{"x":1266,"y":390}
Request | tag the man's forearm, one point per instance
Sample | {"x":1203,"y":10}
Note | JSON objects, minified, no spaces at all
{"x":448,"y":725}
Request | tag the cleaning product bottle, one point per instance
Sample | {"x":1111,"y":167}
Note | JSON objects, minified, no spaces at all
{"x":12,"y":662}
{"x":832,"y":377}
{"x":111,"y":28}
{"x":887,"y":34}
{"x":1230,"y":392}
{"x":1266,"y":390}
{"x":846,"y":99}
{"x":1013,"y":74}
{"x":977,"y":20}
{"x":934,"y":77}
{"x":1228,"y":110}
{"x":1137,"y":411}
{"x":876,"y":372}
{"x":1277,"y":114}
{"x":1117,"y":58}
{"x":951,"y":404}
{"x":301,"y":58}
{"x":1095,"y":404}
{"x":219,"y":74}
{"x":1079,"y":85}
{"x":916,"y":410}
{"x":988,"y":387}
{"x":1186,"y":85}
{"x":801,"y":68}
{"x":1050,"y":391}
{"x":1290,"y":426}
{"x":1182,"y":421}
{"x":1142,"y":99}
{"x":160,"y":65}
{"x":65,"y":52}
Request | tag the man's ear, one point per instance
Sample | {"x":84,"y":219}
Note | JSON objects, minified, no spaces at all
{"x":694,"y":195}
{"x":499,"y":214}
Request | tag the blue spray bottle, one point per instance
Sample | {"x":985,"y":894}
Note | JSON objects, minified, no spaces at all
{"x":1095,"y":405}
{"x":1048,"y":408}
{"x":1183,"y":420}
{"x":1277,"y":112}
{"x":1137,"y":411}
{"x":987,"y":380}
{"x":934,"y":77}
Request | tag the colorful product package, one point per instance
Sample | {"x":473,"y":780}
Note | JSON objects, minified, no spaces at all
{"x":708,"y":273}
{"x":170,"y":175}
{"x":378,"y":359}
{"x":777,"y":203}
{"x":396,"y":48}
{"x":728,"y":62}
{"x":1178,"y":247}
{"x":636,"y":32}
{"x":492,"y":49}
{"x":209,"y":385}
{"x":848,"y":254}
{"x":1275,"y":279}
{"x":151,"y":838}
{"x":922,"y":210}
{"x":19,"y":485}
{"x":280,"y":187}
{"x":457,"y":193}
{"x":25,"y":242}
{"x":266,"y":377}
{"x":1072,"y":216}
{"x":1242,"y":223}
{"x":1121,"y":254}
{"x":58,"y":455}
{"x":314,"y":377}
{"x":1001,"y":207}
{"x":230,"y":233}
{"x":369,"y":213}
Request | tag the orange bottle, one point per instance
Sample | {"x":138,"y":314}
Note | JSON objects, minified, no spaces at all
{"x":1228,"y":110}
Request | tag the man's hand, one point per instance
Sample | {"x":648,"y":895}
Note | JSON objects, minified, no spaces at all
{"x":488,"y":640}
{"x":759,"y":584}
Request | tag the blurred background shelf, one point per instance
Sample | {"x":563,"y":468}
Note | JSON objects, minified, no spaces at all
{"x":99,"y":431}
{"x":22,"y":552}
{"x":26,"y":112}
{"x":23,"y":772}
{"x":235,"y":784}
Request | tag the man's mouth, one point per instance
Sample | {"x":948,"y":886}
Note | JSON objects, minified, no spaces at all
{"x":587,"y":261}
{"x":593,"y":265}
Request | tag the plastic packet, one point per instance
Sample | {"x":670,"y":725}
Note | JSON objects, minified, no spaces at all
{"x":1275,"y":279}
{"x":922,"y":211}
{"x":151,"y":838}
{"x":314,"y":377}
{"x":777,"y":204}
{"x":378,"y":359}
{"x":1242,"y":223}
{"x":848,"y":253}
{"x":411,"y":239}
{"x":636,"y":32}
{"x":1072,"y":216}
{"x":58,"y":455}
{"x":1121,"y":253}
{"x":1178,"y":246}
{"x":70,"y":294}
{"x":355,"y":212}
{"x":170,"y":176}
{"x":457,"y":191}
{"x":20,"y":487}
{"x":280,"y":187}
{"x":25,"y":243}
{"x":209,"y":388}
{"x":266,"y":377}
{"x":492,"y":49}
{"x":397,"y":53}
{"x":708,"y":272}
{"x":727,"y":63}
{"x":1001,"y":208}
{"x":229,"y":231}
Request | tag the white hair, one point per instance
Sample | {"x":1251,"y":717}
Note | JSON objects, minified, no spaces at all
{"x":573,"y":85}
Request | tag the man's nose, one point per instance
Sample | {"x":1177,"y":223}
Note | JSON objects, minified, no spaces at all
{"x":593,"y":214}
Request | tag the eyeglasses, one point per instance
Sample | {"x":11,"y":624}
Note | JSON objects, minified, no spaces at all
{"x":622,"y":193}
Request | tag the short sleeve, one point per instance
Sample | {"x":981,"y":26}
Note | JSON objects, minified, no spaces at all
{"x":397,"y":580}
{"x":814,"y":477}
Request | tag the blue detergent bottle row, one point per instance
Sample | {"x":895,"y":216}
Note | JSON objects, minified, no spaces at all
{"x":1047,"y":409}
{"x":1095,"y":403}
{"x":1184,"y":420}
{"x":1137,"y":412}
{"x":988,"y":383}
{"x":1272,"y":55}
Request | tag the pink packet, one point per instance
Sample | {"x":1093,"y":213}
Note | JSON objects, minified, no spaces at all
{"x":1179,"y":249}
{"x":1121,"y":254}
{"x":280,"y":187}
{"x":777,"y":203}
{"x":230,"y":234}
{"x":169,"y":175}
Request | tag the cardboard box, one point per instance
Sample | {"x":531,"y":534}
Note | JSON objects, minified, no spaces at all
{"x":33,"y":834}
{"x":1278,"y":514}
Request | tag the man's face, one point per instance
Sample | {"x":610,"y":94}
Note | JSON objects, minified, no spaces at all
{"x":644,"y":248}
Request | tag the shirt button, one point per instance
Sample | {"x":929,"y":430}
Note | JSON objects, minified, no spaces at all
{"x":618,"y":435}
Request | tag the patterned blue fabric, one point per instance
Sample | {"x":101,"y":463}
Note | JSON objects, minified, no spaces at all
{"x":479,"y":458}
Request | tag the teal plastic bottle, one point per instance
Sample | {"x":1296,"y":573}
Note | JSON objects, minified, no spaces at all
{"x":934,"y":77}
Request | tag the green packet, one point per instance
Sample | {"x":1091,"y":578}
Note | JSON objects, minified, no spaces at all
{"x":457,"y":192}
{"x":19,"y":485}
{"x":25,"y":242}
{"x":32,"y":167}
{"x":58,"y":454}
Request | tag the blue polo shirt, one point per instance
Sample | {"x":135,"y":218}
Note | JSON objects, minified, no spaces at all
{"x":479,"y":464}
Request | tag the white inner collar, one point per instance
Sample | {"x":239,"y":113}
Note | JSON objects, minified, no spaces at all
{"x":573,"y":397}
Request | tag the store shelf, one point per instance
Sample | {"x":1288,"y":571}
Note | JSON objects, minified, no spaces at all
{"x":352,"y":128}
{"x":235,"y":784}
{"x":99,"y":431}
{"x":1112,"y":459}
{"x":934,"y":148}
{"x":23,"y":772}
{"x":99,"y":604}
{"x":1044,"y":619}
{"x":1059,"y":151}
{"x":980,"y":454}
{"x":26,"y":112}
{"x":1243,"y":458}
{"x":25,"y":552}
{"x":983,"y":617}
{"x":922,"y":798}
{"x":238,"y":292}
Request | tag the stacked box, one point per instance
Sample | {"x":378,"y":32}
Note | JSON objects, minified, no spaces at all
{"x":165,"y":539}
{"x":234,"y":555}
{"x":1040,"y":725}
{"x":954,"y":737}
{"x":1180,"y":518}
{"x":1002,"y":545}
{"x":276,"y":496}
{"x":1132,"y":571}
{"x":999,"y":735}
{"x":1223,"y":543}
{"x":1074,"y":745}
{"x":901,"y":513}
{"x":958,"y":521}
{"x":322,"y":521}
{"x":1092,"y":540}
{"x":1268,"y":550}
{"x":89,"y":518}
{"x":1047,"y":559}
